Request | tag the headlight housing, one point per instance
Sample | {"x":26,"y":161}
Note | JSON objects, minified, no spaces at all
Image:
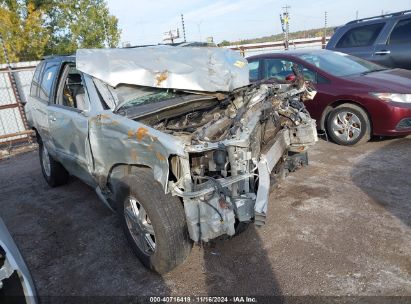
{"x":403,"y":98}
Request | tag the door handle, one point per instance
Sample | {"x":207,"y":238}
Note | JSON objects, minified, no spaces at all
{"x":382,"y":52}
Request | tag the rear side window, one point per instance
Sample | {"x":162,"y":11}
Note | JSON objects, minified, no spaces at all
{"x":49,"y":74}
{"x":34,"y":89}
{"x":401,"y":32}
{"x":360,"y":36}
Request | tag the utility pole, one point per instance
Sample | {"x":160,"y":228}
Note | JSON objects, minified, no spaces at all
{"x":356,"y":15}
{"x":325,"y":30}
{"x":184,"y":29}
{"x":285,"y":21}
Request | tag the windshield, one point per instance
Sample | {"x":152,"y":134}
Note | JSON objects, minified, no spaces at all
{"x":126,"y":96}
{"x":131,"y":96}
{"x":340,"y":64}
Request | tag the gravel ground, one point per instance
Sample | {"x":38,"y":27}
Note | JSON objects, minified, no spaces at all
{"x":340,"y":226}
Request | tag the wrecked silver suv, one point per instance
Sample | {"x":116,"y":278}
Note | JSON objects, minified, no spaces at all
{"x":174,"y":139}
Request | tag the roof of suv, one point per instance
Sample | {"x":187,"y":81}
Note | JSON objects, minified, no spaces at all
{"x":380,"y":17}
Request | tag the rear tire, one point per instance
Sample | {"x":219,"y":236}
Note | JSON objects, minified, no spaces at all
{"x":348,"y":125}
{"x":153,"y":222}
{"x":54,"y":173}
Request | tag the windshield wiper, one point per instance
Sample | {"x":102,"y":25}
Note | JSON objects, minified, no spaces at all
{"x":376,"y":70}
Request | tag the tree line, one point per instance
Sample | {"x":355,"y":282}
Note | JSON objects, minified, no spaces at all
{"x":318,"y":32}
{"x":31,"y":29}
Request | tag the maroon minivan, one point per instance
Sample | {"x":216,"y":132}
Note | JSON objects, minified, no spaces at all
{"x":355,"y":98}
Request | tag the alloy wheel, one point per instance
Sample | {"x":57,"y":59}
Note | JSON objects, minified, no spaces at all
{"x":139,"y":225}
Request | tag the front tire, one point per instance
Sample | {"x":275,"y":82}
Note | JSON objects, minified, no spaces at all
{"x":348,"y":125}
{"x":153,"y":222}
{"x":54,"y":173}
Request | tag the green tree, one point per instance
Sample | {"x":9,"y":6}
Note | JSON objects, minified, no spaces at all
{"x":34,"y":28}
{"x":224,"y":43}
{"x":81,"y":24}
{"x":22,"y":29}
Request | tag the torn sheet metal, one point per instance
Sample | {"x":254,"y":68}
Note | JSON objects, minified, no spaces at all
{"x":184,"y":68}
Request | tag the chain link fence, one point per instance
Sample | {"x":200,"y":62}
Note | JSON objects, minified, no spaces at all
{"x":15,"y":83}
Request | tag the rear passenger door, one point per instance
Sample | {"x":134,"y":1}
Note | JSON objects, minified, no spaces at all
{"x":41,"y":89}
{"x":396,"y":50}
{"x":359,"y":40}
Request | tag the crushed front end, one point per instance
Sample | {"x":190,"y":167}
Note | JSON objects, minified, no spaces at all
{"x":232,"y":149}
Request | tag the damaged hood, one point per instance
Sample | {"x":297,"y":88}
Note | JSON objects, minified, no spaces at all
{"x":183,"y":68}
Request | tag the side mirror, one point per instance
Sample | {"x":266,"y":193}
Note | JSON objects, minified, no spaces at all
{"x":290,"y":77}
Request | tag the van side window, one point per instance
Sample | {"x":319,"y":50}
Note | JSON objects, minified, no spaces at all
{"x":360,"y":36}
{"x":401,"y":32}
{"x":47,"y":81}
{"x":34,"y":89}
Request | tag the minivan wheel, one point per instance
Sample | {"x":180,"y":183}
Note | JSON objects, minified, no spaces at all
{"x":153,"y":222}
{"x":54,"y":173}
{"x":348,"y":125}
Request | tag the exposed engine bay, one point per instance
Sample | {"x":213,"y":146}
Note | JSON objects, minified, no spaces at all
{"x":234,"y":142}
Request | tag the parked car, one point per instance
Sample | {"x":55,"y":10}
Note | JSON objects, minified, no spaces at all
{"x":385,"y":39}
{"x":16,"y":284}
{"x":355,"y":98}
{"x":173,"y":138}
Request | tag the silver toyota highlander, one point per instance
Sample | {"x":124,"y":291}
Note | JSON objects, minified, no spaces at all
{"x":174,"y":139}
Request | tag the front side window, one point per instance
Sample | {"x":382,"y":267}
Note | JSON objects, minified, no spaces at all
{"x":401,"y":32}
{"x":47,"y":81}
{"x":277,"y":68}
{"x":309,"y":75}
{"x":254,"y":67}
{"x":360,"y":36}
{"x":71,"y":91}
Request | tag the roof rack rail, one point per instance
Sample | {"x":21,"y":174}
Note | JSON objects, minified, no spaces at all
{"x":381,"y":16}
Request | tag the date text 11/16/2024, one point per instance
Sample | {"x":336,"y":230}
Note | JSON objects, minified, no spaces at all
{"x":203,"y":299}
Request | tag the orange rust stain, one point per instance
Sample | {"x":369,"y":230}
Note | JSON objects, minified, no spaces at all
{"x":141,"y":132}
{"x":133,"y":154}
{"x":160,"y":156}
{"x":130,"y":133}
{"x":161,"y":77}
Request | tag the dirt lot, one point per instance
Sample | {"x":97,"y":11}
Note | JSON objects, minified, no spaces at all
{"x":340,"y":226}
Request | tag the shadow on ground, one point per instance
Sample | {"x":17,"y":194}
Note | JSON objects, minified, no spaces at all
{"x":381,"y":178}
{"x":239,"y":267}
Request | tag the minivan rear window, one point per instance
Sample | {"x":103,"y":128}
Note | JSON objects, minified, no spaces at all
{"x":360,"y":36}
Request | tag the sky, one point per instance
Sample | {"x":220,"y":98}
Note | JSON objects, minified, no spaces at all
{"x":145,"y":21}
